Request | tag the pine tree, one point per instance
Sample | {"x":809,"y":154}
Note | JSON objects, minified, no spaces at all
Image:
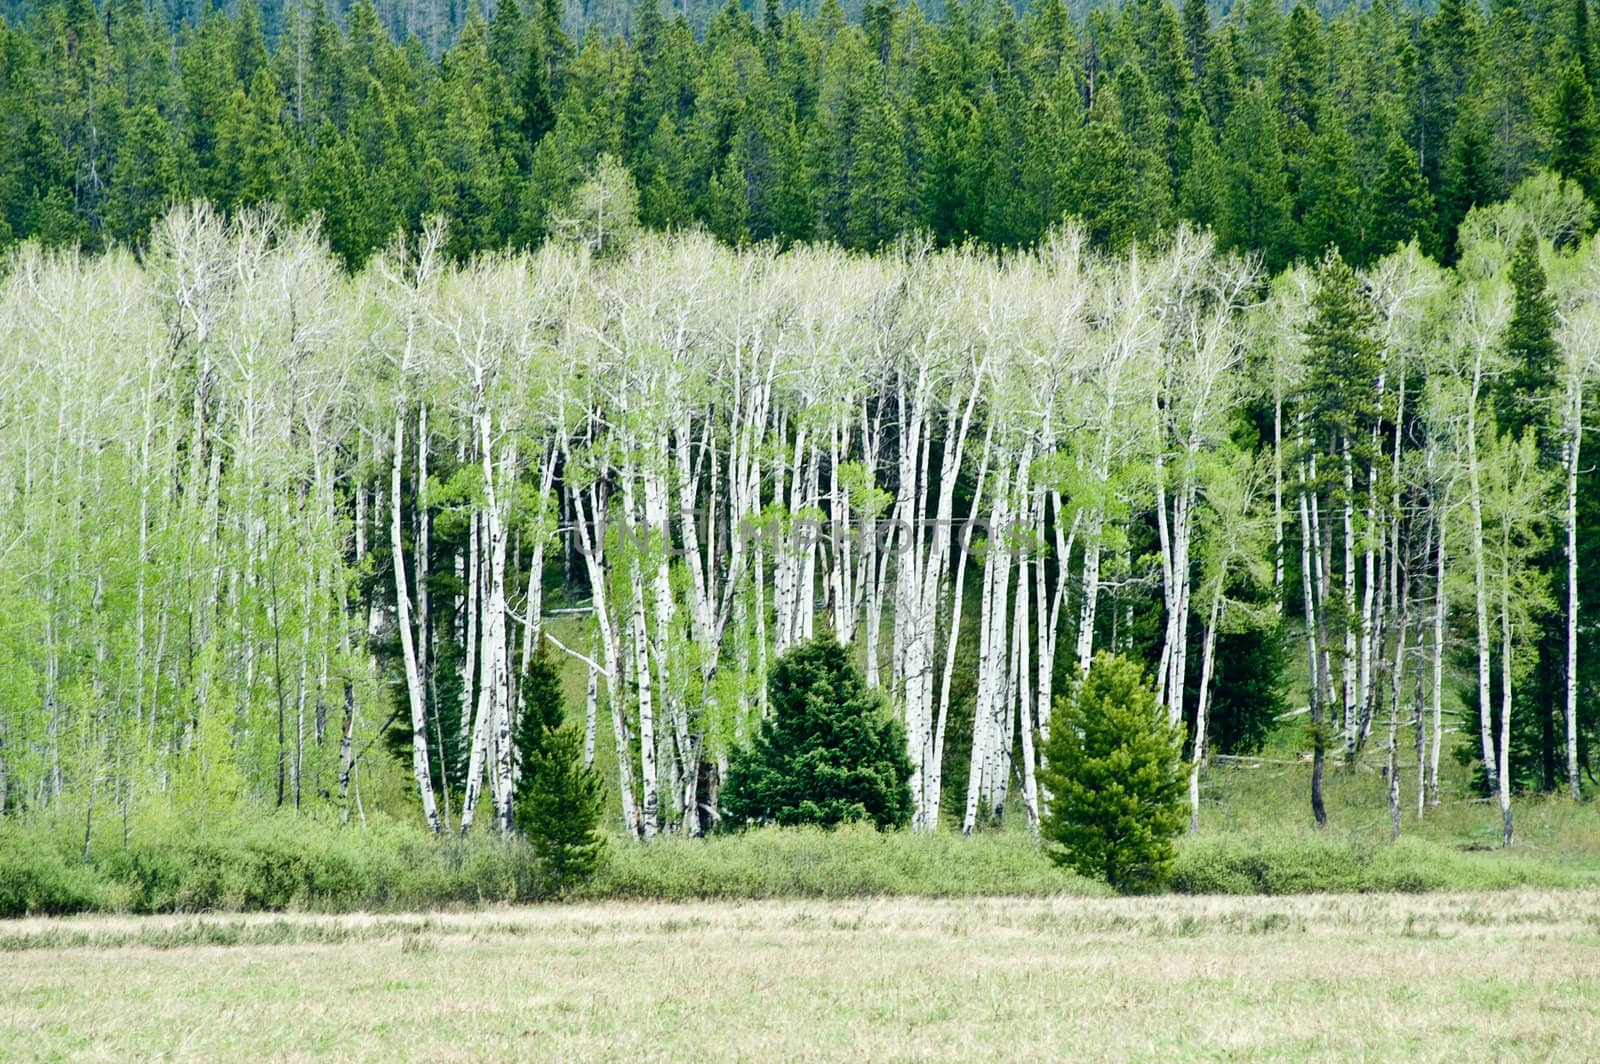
{"x":1400,"y":207}
{"x":1469,"y":177}
{"x":1255,"y":210}
{"x":1330,"y":202}
{"x":828,"y":753}
{"x":559,"y":802}
{"x":879,"y":187}
{"x":253,"y":152}
{"x":1344,"y":359}
{"x":1115,"y":780}
{"x":1524,"y":396}
{"x":145,"y":178}
{"x":1572,"y":130}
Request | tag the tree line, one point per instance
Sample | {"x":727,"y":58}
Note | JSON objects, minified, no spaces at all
{"x":1284,"y":133}
{"x":261,"y":510}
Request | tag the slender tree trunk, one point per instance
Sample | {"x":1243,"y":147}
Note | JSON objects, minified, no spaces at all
{"x":1574,"y":446}
{"x":419,"y":727}
{"x":1203,"y":705}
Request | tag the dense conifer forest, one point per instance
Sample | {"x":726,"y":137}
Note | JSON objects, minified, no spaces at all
{"x":1284,"y":132}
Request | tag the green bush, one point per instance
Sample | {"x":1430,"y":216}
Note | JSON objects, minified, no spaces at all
{"x":35,"y":878}
{"x":1319,"y":864}
{"x":1114,"y":774}
{"x":853,"y":860}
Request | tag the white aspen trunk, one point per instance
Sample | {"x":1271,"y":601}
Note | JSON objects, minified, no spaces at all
{"x":1314,"y":685}
{"x":494,"y":693}
{"x":1064,"y":545}
{"x":1351,"y":719}
{"x":591,"y":539}
{"x":1203,"y":705}
{"x":469,"y":659}
{"x":1503,"y":776}
{"x":1394,"y":725}
{"x":473,"y":721}
{"x":980,"y":720}
{"x":1019,"y":640}
{"x":840,"y":591}
{"x":990,"y":710}
{"x":1481,"y":597}
{"x":424,"y":659}
{"x":638,"y":636}
{"x":956,"y":609}
{"x":805,"y":598}
{"x":419,"y":731}
{"x":535,"y":592}
{"x":1091,"y":592}
{"x":655,"y":514}
{"x":590,"y":713}
{"x":1277,"y":501}
{"x":1574,"y":446}
{"x":1440,"y":612}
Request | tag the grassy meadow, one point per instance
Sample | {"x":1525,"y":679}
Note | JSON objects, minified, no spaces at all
{"x":1509,"y":975}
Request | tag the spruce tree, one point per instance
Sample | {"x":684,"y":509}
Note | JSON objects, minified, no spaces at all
{"x":1255,"y":209}
{"x":1469,"y":176}
{"x":829,"y":752}
{"x":1524,"y":396}
{"x":1114,"y":778}
{"x":559,"y":801}
{"x":1572,"y":132}
{"x":1400,"y":207}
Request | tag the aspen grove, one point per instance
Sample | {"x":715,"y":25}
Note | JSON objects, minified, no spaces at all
{"x":256,"y":511}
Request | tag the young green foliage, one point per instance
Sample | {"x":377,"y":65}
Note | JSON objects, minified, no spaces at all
{"x":1114,"y":775}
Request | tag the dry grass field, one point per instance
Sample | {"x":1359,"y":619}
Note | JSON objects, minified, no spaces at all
{"x":1482,"y":976}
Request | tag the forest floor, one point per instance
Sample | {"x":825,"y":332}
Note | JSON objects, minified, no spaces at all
{"x":1492,"y":975}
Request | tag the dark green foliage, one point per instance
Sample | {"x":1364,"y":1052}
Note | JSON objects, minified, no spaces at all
{"x":1345,"y":359}
{"x":1285,"y":133}
{"x":1401,"y":206}
{"x":1573,"y":133}
{"x":828,"y":753}
{"x":1525,"y":396}
{"x":1117,"y":794}
{"x":1255,"y":206}
{"x":559,"y":800}
{"x":1247,"y":687}
{"x":1469,"y":180}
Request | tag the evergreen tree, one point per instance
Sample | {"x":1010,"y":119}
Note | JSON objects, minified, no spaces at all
{"x":1344,"y":360}
{"x":1400,"y":207}
{"x":1524,"y":396}
{"x":144,"y":179}
{"x":253,"y":151}
{"x":828,"y":753}
{"x":559,"y":802}
{"x":1330,"y":201}
{"x":1114,"y":779}
{"x":1469,"y":177}
{"x":1572,"y":132}
{"x":1256,"y":206}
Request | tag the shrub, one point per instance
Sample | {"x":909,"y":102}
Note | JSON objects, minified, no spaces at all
{"x":35,"y":878}
{"x":829,"y":752}
{"x":1114,"y":773}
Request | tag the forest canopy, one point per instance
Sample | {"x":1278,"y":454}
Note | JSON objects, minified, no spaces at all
{"x":1284,"y":132}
